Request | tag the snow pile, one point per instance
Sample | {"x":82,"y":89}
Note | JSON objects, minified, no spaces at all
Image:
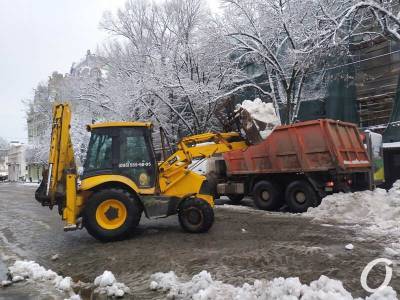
{"x":14,"y":279}
{"x":261,"y":111}
{"x":23,"y":269}
{"x":203,"y":287}
{"x":107,"y":284}
{"x":5,"y":283}
{"x":349,"y":247}
{"x":32,"y":270}
{"x":264,"y":112}
{"x":377,"y":211}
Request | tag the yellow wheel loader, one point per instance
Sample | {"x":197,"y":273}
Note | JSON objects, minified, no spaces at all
{"x":121,"y":178}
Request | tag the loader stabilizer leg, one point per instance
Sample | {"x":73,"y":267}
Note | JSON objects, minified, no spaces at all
{"x":41,"y":192}
{"x":71,"y":208}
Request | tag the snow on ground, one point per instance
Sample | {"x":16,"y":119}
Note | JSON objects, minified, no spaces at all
{"x":107,"y":284}
{"x":31,"y":183}
{"x":249,"y":209}
{"x":349,"y":247}
{"x":378,"y":211}
{"x":375,"y":212}
{"x":30,"y":270}
{"x":236,"y":207}
{"x":393,"y":249}
{"x":203,"y":287}
{"x":23,"y":269}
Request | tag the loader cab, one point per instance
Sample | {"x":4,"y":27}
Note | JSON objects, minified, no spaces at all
{"x":122,"y":148}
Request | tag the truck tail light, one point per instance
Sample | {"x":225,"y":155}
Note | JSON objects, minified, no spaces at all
{"x":330,"y":184}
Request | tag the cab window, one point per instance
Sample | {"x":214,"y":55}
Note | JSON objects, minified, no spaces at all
{"x":136,"y":157}
{"x":99,"y":155}
{"x":134,"y":149}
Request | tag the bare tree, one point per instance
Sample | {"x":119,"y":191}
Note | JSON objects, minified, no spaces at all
{"x":371,"y":19}
{"x":171,"y":61}
{"x":167,"y":64}
{"x":286,"y":37}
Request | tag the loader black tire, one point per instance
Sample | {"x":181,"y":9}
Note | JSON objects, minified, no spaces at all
{"x":126,"y":209}
{"x":235,"y":198}
{"x":195,"y":215}
{"x":266,"y":196}
{"x":300,"y":196}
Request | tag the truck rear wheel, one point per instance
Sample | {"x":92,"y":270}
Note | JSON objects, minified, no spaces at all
{"x":111,"y":214}
{"x":235,"y":198}
{"x":195,"y":215}
{"x":300,"y":195}
{"x":266,"y":196}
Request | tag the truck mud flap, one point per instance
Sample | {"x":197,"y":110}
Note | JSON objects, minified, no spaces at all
{"x":320,"y":191}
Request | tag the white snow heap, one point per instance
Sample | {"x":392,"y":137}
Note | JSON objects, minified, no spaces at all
{"x":32,"y":270}
{"x":261,"y":111}
{"x":203,"y":287}
{"x":349,"y":247}
{"x":377,"y":211}
{"x":23,"y":269}
{"x":107,"y":284}
{"x":264,"y":112}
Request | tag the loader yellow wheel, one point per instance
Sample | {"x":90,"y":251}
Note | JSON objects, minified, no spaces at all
{"x":111,"y":214}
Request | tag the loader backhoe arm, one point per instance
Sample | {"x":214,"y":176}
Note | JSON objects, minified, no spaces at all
{"x":61,"y":164}
{"x":198,"y":147}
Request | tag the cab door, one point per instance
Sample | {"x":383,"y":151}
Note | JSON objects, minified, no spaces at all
{"x":136,"y":158}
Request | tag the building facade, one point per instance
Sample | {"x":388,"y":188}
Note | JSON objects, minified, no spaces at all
{"x":366,"y":91}
{"x":59,"y":88}
{"x":34,"y":172}
{"x":3,"y":164}
{"x":17,"y":169}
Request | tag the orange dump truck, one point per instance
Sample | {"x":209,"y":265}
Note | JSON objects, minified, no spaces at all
{"x":296,"y":164}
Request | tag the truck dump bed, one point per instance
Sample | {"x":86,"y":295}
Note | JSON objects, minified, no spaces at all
{"x":311,"y":146}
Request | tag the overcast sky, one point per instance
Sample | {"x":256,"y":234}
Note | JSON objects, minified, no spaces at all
{"x":38,"y":37}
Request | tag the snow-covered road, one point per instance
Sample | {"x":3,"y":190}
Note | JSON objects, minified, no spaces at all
{"x":243,"y":246}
